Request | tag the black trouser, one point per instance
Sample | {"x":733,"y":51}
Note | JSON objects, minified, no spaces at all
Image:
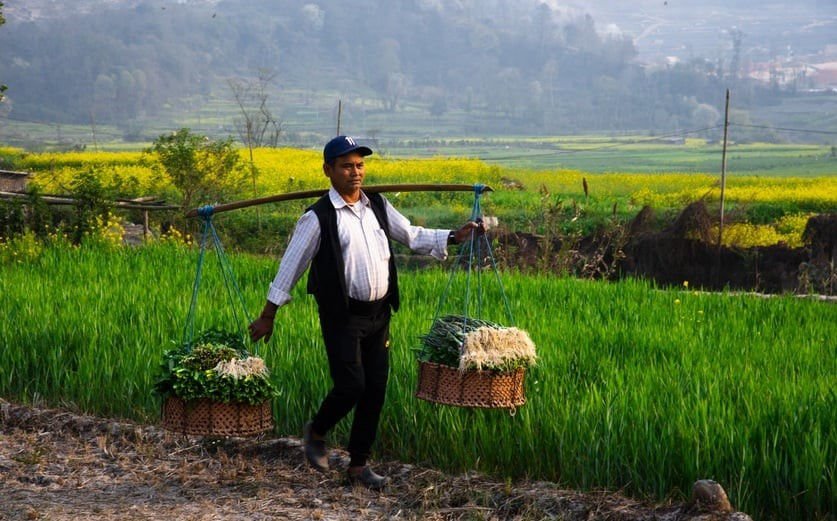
{"x":358,"y":359}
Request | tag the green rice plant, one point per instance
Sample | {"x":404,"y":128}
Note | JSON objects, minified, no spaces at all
{"x":648,"y":391}
{"x":636,"y":389}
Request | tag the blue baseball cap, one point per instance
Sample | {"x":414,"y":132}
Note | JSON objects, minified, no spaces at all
{"x":342,"y":145}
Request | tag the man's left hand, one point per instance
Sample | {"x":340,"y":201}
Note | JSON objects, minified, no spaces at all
{"x":471,"y":227}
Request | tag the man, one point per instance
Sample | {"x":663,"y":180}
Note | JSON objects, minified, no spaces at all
{"x":345,"y":238}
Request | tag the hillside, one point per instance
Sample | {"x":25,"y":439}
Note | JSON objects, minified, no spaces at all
{"x":432,"y":68}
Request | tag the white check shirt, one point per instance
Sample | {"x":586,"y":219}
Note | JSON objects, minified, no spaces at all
{"x":364,"y":246}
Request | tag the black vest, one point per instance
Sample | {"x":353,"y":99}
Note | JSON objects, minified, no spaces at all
{"x":326,"y":277}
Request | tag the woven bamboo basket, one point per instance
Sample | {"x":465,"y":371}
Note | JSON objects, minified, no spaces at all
{"x":450,"y":386}
{"x":209,"y":418}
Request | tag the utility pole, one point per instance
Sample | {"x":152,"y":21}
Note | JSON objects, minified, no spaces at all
{"x":339,"y":114}
{"x":723,"y":172}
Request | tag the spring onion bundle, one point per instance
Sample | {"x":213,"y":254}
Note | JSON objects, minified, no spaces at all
{"x":475,"y":344}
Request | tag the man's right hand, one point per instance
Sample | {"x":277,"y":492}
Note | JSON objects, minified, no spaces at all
{"x":260,"y":328}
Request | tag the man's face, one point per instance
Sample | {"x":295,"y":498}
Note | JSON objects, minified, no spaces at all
{"x":346,"y":173}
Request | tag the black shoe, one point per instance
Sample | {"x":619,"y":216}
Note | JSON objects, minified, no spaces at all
{"x":315,"y":451}
{"x":369,"y":479}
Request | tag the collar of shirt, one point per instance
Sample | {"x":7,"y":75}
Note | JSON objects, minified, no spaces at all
{"x":338,"y":202}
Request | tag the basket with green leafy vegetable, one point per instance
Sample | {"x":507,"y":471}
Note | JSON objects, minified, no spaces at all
{"x":474,"y":363}
{"x":213,"y":386}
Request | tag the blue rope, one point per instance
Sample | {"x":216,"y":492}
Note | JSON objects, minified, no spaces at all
{"x":231,"y":285}
{"x":474,"y":250}
{"x":206,"y":213}
{"x":189,"y":328}
{"x":476,"y":215}
{"x":500,"y":284}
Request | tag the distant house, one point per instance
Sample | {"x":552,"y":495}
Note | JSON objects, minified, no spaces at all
{"x":13,"y":181}
{"x":824,"y":75}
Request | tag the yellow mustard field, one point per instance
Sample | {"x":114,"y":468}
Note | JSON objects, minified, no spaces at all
{"x":279,"y":170}
{"x":282,"y":166}
{"x":677,"y":189}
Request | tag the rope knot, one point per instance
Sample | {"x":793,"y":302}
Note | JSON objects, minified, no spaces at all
{"x":206,"y":212}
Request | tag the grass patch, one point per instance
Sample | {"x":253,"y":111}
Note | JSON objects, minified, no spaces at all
{"x":636,"y":389}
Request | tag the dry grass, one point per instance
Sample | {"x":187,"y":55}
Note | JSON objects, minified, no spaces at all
{"x":60,"y":465}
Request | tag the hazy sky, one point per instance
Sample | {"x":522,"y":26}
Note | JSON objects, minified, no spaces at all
{"x":681,"y":27}
{"x":660,"y":28}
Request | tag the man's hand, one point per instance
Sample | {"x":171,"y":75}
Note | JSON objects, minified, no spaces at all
{"x":463,"y":234}
{"x":260,"y":328}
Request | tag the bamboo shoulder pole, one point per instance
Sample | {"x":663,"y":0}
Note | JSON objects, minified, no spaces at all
{"x":317,"y":193}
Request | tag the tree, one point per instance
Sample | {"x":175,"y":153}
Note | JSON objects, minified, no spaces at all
{"x":202,"y":170}
{"x":390,"y":81}
{"x":258,"y":126}
{"x":396,"y":89}
{"x":438,"y":106}
{"x":706,"y":116}
{"x":92,"y":196}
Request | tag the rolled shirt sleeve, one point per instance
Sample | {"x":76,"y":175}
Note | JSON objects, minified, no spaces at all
{"x":427,"y":241}
{"x":305,"y":240}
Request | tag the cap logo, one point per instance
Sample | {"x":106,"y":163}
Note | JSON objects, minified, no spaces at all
{"x":350,"y":140}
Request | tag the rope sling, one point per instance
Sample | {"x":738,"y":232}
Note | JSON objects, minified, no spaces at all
{"x":210,"y":417}
{"x":473,"y":248}
{"x":447,"y":385}
{"x":236,"y":299}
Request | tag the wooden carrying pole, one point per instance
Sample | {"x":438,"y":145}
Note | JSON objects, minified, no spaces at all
{"x":141,"y":203}
{"x":317,"y":193}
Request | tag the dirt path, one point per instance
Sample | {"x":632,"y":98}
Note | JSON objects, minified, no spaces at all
{"x":59,"y":465}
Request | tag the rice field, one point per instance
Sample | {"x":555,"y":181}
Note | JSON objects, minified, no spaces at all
{"x":636,"y":389}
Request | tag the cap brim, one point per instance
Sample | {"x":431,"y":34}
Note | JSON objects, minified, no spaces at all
{"x":360,"y":149}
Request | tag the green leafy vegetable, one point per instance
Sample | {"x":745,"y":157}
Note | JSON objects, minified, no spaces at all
{"x":190,"y":372}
